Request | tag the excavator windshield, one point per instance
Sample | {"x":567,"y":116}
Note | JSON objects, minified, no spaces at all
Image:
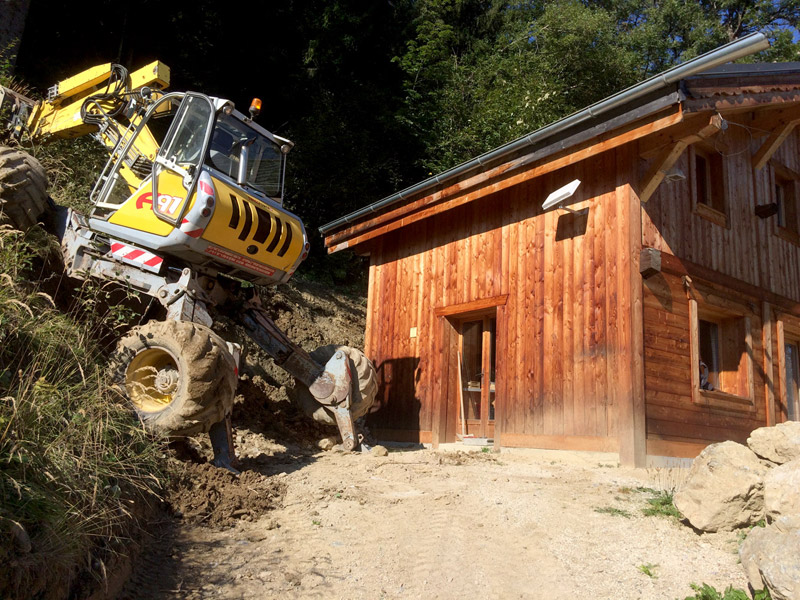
{"x":264,"y":159}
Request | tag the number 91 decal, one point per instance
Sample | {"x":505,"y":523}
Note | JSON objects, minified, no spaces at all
{"x":167,"y":205}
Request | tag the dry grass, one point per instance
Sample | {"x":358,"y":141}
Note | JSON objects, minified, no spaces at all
{"x":73,"y":460}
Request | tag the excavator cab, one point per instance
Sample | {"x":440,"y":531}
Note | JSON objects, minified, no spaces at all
{"x":207,"y":190}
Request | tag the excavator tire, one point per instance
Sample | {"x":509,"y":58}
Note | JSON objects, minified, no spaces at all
{"x":178,"y":376}
{"x":23,"y":189}
{"x":365,"y":385}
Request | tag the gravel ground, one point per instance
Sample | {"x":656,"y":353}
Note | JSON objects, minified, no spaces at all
{"x":453,"y":524}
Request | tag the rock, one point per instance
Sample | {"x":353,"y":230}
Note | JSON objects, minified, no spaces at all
{"x":782,"y":490}
{"x":771,"y":558}
{"x":327,"y":443}
{"x":379,"y":451}
{"x":724,"y":489}
{"x":779,"y":444}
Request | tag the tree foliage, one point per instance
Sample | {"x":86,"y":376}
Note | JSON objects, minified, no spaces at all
{"x":379,"y":94}
{"x":473,"y":83}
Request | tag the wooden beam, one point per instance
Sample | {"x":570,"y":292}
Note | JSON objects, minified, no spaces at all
{"x":783,"y":393}
{"x":689,"y":129}
{"x":466,"y":308}
{"x":677,"y":266}
{"x":484,"y":184}
{"x":629,"y":381}
{"x":769,"y":368}
{"x":649,"y":262}
{"x":659,"y":168}
{"x":772,"y":143}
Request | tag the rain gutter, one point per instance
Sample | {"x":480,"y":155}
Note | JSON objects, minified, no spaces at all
{"x":730,"y":52}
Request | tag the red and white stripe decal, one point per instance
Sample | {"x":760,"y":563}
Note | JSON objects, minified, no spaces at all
{"x":191,"y":229}
{"x":136,"y":256}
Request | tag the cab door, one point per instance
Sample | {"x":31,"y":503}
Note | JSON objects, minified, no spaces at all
{"x":177,"y":164}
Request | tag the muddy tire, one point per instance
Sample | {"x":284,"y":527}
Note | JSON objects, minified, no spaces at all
{"x":365,"y":385}
{"x":178,"y":376}
{"x":23,"y":189}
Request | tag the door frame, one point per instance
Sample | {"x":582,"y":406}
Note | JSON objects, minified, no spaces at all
{"x":446,"y":407}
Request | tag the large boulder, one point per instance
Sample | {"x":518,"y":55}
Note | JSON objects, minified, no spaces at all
{"x":782,"y":490}
{"x":724,"y":489}
{"x":779,"y":444}
{"x":771,"y":558}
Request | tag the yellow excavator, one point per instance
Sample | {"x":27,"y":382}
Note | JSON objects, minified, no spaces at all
{"x":188,"y":209}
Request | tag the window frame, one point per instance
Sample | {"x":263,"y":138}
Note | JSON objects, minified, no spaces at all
{"x":719,"y":399}
{"x":716,"y":209}
{"x":788,"y":333}
{"x":790,"y":179}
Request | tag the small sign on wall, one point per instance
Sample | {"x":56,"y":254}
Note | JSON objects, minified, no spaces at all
{"x":413,"y":332}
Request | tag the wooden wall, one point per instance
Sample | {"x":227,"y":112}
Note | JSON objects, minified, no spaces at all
{"x":563,"y":336}
{"x":672,"y":415}
{"x":576,"y":324}
{"x":748,"y":250}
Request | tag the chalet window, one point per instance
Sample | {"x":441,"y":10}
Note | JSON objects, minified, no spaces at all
{"x":785,"y":195}
{"x":721,"y":348}
{"x":707,"y":182}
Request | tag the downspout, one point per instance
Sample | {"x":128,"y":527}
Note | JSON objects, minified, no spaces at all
{"x":730,"y":52}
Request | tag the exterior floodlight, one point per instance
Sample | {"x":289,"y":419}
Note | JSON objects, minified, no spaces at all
{"x":674,"y":174}
{"x":561,"y":194}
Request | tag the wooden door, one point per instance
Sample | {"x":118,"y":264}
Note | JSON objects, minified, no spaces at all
{"x":477,"y":351}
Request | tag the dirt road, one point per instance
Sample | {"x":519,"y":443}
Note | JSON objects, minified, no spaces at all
{"x":424,"y":524}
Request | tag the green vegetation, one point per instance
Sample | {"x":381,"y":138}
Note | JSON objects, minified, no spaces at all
{"x":73,"y":459}
{"x":707,"y":592}
{"x":612,"y":510}
{"x":648,"y":569}
{"x":743,"y":533}
{"x":661,"y":505}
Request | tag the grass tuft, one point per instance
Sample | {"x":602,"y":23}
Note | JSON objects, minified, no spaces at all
{"x":661,"y":505}
{"x":648,"y":569}
{"x":73,"y":459}
{"x":614,"y":511}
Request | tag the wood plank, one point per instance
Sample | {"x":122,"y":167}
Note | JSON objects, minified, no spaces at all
{"x":631,"y":411}
{"x":772,"y":143}
{"x":769,"y":368}
{"x":678,"y":266}
{"x":466,"y":309}
{"x":561,"y":442}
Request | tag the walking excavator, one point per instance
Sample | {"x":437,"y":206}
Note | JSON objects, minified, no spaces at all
{"x":187,"y":210}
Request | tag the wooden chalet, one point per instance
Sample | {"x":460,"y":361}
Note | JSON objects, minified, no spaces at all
{"x":653,"y":312}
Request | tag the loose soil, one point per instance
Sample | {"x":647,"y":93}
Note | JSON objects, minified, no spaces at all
{"x":430,"y":524}
{"x":416,"y":523}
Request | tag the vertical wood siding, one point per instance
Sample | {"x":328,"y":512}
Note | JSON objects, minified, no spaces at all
{"x":748,"y":250}
{"x":559,"y":335}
